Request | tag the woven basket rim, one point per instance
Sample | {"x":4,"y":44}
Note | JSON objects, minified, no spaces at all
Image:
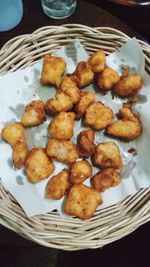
{"x":49,"y":229}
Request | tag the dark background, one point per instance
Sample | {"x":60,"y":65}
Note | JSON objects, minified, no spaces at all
{"x":132,"y":250}
{"x":136,"y":17}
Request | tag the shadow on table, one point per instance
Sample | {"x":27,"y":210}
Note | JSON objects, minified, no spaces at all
{"x":131,"y":251}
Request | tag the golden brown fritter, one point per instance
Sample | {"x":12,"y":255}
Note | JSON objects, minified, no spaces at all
{"x":19,"y":153}
{"x":61,"y":150}
{"x":58,"y":185}
{"x":129,"y":85}
{"x":70,"y":88}
{"x":37,"y":165}
{"x":80,"y":171}
{"x":82,"y":201}
{"x":107,"y":79}
{"x":128,"y":127}
{"x":97,"y":61}
{"x":14,"y":134}
{"x":34,"y":113}
{"x":107,"y":155}
{"x":86,"y":146}
{"x":105,"y":179}
{"x":84,"y":73}
{"x":53,"y":69}
{"x":61,"y":102}
{"x":98,"y":116}
{"x":61,"y":127}
{"x":86,"y":99}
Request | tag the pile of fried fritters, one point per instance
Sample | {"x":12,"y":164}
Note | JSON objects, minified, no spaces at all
{"x":69,"y":104}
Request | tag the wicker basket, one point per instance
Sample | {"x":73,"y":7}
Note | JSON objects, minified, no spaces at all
{"x":107,"y":225}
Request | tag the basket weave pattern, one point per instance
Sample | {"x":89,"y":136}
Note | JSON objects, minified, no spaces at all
{"x":107,"y":225}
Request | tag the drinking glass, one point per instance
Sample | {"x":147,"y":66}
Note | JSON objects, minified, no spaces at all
{"x":58,"y":9}
{"x":11,"y":12}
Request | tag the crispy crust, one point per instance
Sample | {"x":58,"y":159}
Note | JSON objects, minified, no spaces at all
{"x":107,"y":155}
{"x":128,"y":127}
{"x":58,"y":185}
{"x":53,"y":69}
{"x":84,"y":74}
{"x":86,"y":99}
{"x":107,"y":79}
{"x":61,"y":102}
{"x":19,"y":153}
{"x":82,"y":201}
{"x":129,"y":85}
{"x":37,"y":165}
{"x":105,"y":179}
{"x":97,"y":61}
{"x":34,"y":113}
{"x":80,"y":171}
{"x":62,"y":150}
{"x":98,"y":116}
{"x":14,"y":134}
{"x":86,"y":146}
{"x":70,"y":88}
{"x":61,"y":127}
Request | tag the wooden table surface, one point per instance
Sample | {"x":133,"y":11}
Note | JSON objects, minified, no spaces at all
{"x":86,"y":13}
{"x":129,"y":251}
{"x":136,"y":18}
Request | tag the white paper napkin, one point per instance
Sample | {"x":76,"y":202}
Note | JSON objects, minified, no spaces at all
{"x":19,"y":88}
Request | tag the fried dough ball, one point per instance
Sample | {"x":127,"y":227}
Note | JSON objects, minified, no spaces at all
{"x":105,"y":179}
{"x":19,"y":153}
{"x":58,"y":185}
{"x":61,"y":102}
{"x":128,"y":127}
{"x":82,"y":201}
{"x":98,"y":116}
{"x":129,"y":85}
{"x":14,"y":134}
{"x":80,"y":171}
{"x":107,"y":155}
{"x":61,"y":150}
{"x":53,"y":69}
{"x":98,"y":61}
{"x":107,"y":79}
{"x":86,"y":146}
{"x":70,"y":88}
{"x":37,"y":165}
{"x":84,"y":73}
{"x":61,"y":126}
{"x":86,"y":99}
{"x":34,"y":113}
